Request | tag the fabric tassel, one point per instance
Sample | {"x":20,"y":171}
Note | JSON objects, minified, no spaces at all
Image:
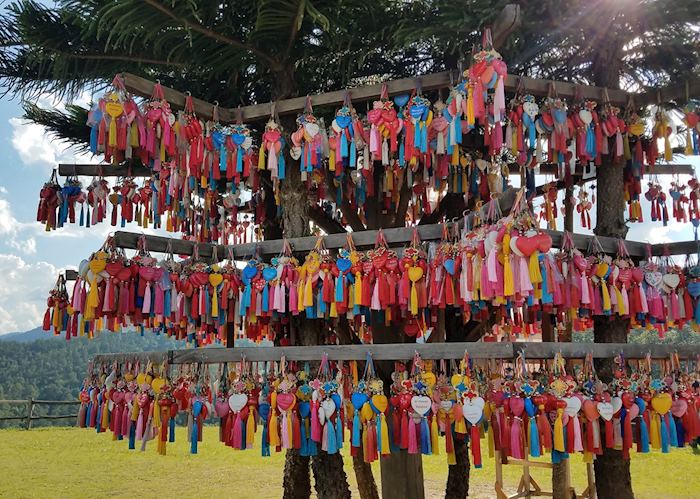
{"x":558,"y":441}
{"x":476,"y":446}
{"x":534,"y":438}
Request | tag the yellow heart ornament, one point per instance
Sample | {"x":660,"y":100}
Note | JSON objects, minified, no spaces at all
{"x":662,"y":402}
{"x":366,"y":412}
{"x":380,"y":402}
{"x":158,"y":384}
{"x":429,"y":378}
{"x":415,"y":274}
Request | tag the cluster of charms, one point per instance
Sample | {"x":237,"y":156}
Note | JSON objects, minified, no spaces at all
{"x":204,"y":172}
{"x":523,"y":408}
{"x":505,"y":265}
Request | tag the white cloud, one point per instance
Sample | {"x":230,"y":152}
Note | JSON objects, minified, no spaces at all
{"x":23,"y":293}
{"x":36,"y":147}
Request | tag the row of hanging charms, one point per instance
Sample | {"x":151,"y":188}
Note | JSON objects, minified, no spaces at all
{"x":140,"y":402}
{"x":504,"y":264}
{"x":193,"y":161}
{"x":524,"y":409}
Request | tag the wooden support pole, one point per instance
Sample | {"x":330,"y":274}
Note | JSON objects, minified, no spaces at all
{"x":30,"y":413}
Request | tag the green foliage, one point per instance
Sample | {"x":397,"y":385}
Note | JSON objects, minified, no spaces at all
{"x":54,"y":369}
{"x":685,"y":336}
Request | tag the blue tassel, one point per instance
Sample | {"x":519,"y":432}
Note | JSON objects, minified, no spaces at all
{"x":266,"y":299}
{"x":265,"y":442}
{"x":356,"y":429}
{"x":338,"y":434}
{"x":696,"y":313}
{"x":171,"y":437}
{"x":402,"y":159}
{"x":425,"y":437}
{"x":673,"y":440}
{"x":339,"y":289}
{"x":88,"y":411}
{"x":312,"y":447}
{"x":330,"y":432}
{"x":643,"y":436}
{"x":664,"y":436}
{"x":195,"y":436}
{"x":239,"y":160}
{"x":379,"y":434}
{"x":458,"y":126}
{"x":353,"y":154}
{"x":281,"y":166}
{"x":343,"y":145}
{"x":132,"y":436}
{"x":534,"y":439}
{"x":532,"y":135}
{"x":167,"y":295}
{"x":680,"y":432}
{"x":93,"y":139}
{"x":304,"y":450}
{"x":222,"y":158}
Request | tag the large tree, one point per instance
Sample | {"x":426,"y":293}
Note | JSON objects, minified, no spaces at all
{"x":253,"y":51}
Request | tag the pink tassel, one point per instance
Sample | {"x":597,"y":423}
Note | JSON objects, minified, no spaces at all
{"x":293,"y":300}
{"x":284,"y":432}
{"x":516,"y":445}
{"x":146,"y":309}
{"x":491,"y":266}
{"x":139,"y":426}
{"x":675,"y":310}
{"x":376,"y":305}
{"x":316,"y":432}
{"x":499,"y":101}
{"x":123,"y":299}
{"x":237,"y":433}
{"x":585,"y":291}
{"x":578,"y":441}
{"x":524,"y":271}
{"x":126,"y":420}
{"x":160,"y":300}
{"x":412,"y":440}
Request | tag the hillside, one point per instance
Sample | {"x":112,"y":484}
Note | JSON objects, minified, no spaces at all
{"x":53,"y":369}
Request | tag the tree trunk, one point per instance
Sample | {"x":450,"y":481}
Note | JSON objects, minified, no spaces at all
{"x":612,"y":472}
{"x":329,"y":476}
{"x":297,"y":481}
{"x":365,"y":479}
{"x":458,"y":474}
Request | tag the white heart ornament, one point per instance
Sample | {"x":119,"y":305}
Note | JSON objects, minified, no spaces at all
{"x":473,"y":409}
{"x":531,"y":108}
{"x":321,"y":415}
{"x":237,"y":401}
{"x":446,"y":405}
{"x":671,"y":280}
{"x":311,"y":128}
{"x":606,"y":411}
{"x":514,"y":246}
{"x":653,"y":278}
{"x":573,"y":405}
{"x":585,"y":115}
{"x":328,"y":407}
{"x":421,"y":404}
{"x":616,"y":404}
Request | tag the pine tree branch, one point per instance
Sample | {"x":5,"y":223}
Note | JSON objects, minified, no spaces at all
{"x":128,"y":58}
{"x":294,"y":30}
{"x":271,"y":62}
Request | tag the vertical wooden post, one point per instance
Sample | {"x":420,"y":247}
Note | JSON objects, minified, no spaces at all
{"x":30,"y":411}
{"x":592,"y":494}
{"x":398,"y":476}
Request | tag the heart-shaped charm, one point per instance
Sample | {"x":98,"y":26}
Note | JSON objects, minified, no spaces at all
{"x":358,"y":399}
{"x":653,"y":278}
{"x":269,"y":273}
{"x":616,"y":403}
{"x":606,"y":410}
{"x":473,"y":409}
{"x":215,"y":279}
{"x":527,"y":245}
{"x":662,"y":403}
{"x":380,"y":403}
{"x":679,"y":407}
{"x":286,"y":401}
{"x":328,"y":407}
{"x":449,"y":265}
{"x":415,"y":273}
{"x":343,"y":264}
{"x":421,"y":404}
{"x":671,"y":280}
{"x":573,"y":405}
{"x":238,"y":401}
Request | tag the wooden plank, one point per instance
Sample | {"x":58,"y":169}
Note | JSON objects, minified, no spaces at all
{"x":679,"y":92}
{"x":71,"y":275}
{"x":677,"y":248}
{"x":405,"y":351}
{"x":536,"y":350}
{"x":665,"y":169}
{"x":103,"y":170}
{"x":57,"y":402}
{"x":13,"y":418}
{"x":524,"y":462}
{"x":53,"y":416}
{"x":13,"y":401}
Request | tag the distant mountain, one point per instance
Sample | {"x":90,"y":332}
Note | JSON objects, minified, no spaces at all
{"x":26,"y":336}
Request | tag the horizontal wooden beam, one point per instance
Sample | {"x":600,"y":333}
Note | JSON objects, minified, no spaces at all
{"x":679,"y":93}
{"x":406,"y":351}
{"x":678,"y":248}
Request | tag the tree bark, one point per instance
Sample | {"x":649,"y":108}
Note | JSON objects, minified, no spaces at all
{"x":329,"y":476}
{"x":612,"y":472}
{"x":364,"y":476}
{"x":458,"y":474}
{"x":297,"y":481}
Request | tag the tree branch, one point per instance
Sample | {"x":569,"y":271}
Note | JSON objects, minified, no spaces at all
{"x":127,"y":58}
{"x":293,"y":31}
{"x":271,"y":62}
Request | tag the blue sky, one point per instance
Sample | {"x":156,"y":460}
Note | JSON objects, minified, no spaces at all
{"x":30,"y":258}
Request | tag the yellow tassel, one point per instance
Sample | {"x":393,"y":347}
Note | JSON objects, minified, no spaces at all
{"x":514,"y":144}
{"x":156,"y":415}
{"x":135,"y":412}
{"x":414,"y":299}
{"x":559,"y":432}
{"x":668,"y":152}
{"x":261,"y":159}
{"x":331,"y":160}
{"x":620,"y":302}
{"x":626,"y":147}
{"x":385,"y":436}
{"x":215,"y":304}
{"x":169,"y":223}
{"x":535,"y":274}
{"x":588,"y":457}
{"x":93,"y":298}
{"x":490,"y":442}
{"x":81,"y":326}
{"x":353,"y":368}
{"x":105,"y":417}
{"x":470,"y":106}
{"x":655,"y":431}
{"x":134,"y":135}
{"x":162,"y":150}
{"x":308,"y":293}
{"x":250,"y":428}
{"x":606,"y":296}
{"x":112,"y":132}
{"x":365,"y":446}
{"x":455,"y":155}
{"x":508,"y":282}
{"x":433,"y":436}
{"x":358,"y":287}
{"x":300,"y":296}
{"x":451,"y":458}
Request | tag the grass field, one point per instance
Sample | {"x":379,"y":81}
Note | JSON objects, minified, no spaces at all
{"x":70,"y":462}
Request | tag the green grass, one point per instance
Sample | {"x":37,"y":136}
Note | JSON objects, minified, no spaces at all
{"x":72,"y":462}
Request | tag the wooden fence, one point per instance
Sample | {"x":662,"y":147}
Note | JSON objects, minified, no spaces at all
{"x":31,"y":403}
